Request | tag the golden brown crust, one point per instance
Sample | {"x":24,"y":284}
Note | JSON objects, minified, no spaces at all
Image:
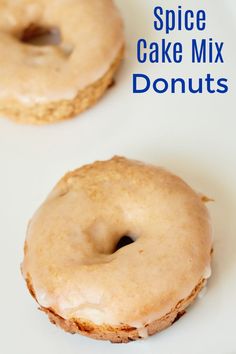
{"x":64,"y":109}
{"x":121,"y":334}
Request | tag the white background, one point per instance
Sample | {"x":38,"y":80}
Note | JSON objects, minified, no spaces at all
{"x":192,"y":135}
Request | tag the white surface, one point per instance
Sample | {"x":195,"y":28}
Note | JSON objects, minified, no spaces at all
{"x":194,"y":136}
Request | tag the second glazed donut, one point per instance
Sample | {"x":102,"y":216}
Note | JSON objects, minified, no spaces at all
{"x":43,"y":84}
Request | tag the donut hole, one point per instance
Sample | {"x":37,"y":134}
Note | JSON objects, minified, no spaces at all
{"x":41,"y":36}
{"x":123,"y":242}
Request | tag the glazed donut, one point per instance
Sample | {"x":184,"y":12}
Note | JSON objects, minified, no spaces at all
{"x":43,"y":84}
{"x":81,"y":276}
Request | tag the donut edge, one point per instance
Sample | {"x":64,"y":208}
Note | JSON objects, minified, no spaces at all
{"x":119,"y":334}
{"x":53,"y":112}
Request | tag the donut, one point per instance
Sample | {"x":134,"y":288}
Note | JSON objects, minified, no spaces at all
{"x":58,"y":80}
{"x":118,"y":250}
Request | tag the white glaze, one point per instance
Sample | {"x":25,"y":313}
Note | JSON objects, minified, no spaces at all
{"x":143,"y":332}
{"x":207,"y":273}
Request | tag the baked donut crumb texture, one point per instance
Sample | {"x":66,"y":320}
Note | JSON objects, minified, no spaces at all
{"x":121,"y":334}
{"x":60,"y":110}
